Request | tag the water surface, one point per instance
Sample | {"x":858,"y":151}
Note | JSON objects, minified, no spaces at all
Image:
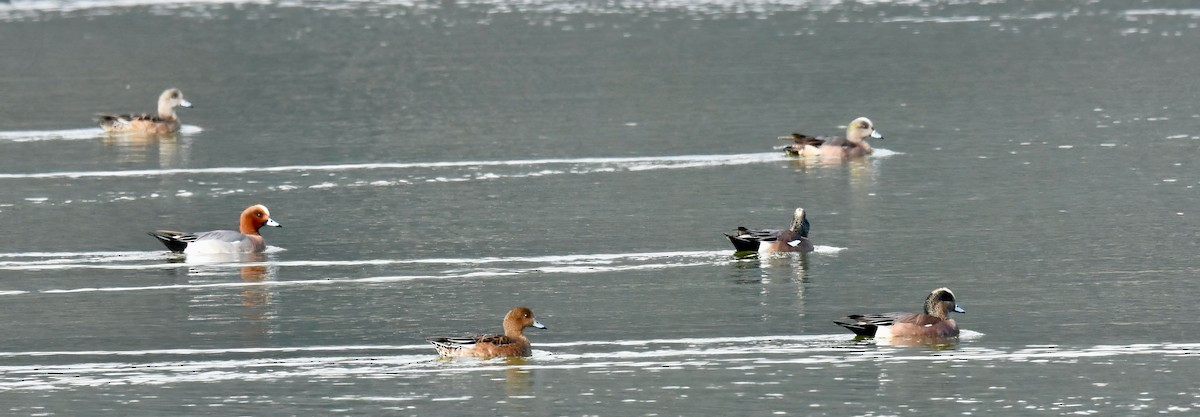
{"x":437,"y":163}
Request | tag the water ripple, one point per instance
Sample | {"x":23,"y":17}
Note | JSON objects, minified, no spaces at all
{"x":628,"y":163}
{"x":454,"y":268}
{"x":397,"y":361}
{"x":71,"y":134}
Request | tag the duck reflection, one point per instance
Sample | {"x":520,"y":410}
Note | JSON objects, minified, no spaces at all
{"x":759,"y":268}
{"x":518,"y":387}
{"x":170,"y":150}
{"x":934,"y":343}
{"x":256,"y":295}
{"x":909,"y":379}
{"x":793,"y":268}
{"x":255,"y":306}
{"x":861,"y":171}
{"x":771,"y":273}
{"x":518,"y":381}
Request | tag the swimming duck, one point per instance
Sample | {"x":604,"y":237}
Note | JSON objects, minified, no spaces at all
{"x":853,"y":145}
{"x":793,"y":239}
{"x":163,"y":123}
{"x":511,"y":343}
{"x":245,"y":240}
{"x":934,"y":323}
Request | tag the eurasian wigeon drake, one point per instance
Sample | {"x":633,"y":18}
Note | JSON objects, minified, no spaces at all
{"x":932,"y":325}
{"x":792,"y":239}
{"x":854,"y":144}
{"x":163,"y":123}
{"x":245,"y":240}
{"x":511,"y":343}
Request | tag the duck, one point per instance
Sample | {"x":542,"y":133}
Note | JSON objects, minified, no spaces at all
{"x":932,"y":325}
{"x":245,"y":240}
{"x":512,"y":343}
{"x":164,"y":122}
{"x":853,"y":145}
{"x":792,"y":239}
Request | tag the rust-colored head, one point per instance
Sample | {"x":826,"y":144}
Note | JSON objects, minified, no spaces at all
{"x":517,"y":320}
{"x":254,"y":218}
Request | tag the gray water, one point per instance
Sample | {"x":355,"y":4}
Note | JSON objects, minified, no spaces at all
{"x":437,"y":163}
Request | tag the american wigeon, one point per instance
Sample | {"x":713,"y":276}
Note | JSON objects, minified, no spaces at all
{"x":792,"y":239}
{"x":511,"y":343}
{"x":162,"y":123}
{"x":245,"y":240}
{"x":933,"y":324}
{"x":854,"y":144}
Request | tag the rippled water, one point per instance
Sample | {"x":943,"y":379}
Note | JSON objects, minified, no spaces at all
{"x":437,"y":163}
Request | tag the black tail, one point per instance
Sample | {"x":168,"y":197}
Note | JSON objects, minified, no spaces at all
{"x":170,"y":240}
{"x":105,"y":119}
{"x":743,"y":245}
{"x":859,"y":327}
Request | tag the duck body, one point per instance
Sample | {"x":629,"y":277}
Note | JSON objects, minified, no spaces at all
{"x":933,"y":324}
{"x":793,"y":239}
{"x":212,"y":242}
{"x":769,"y":240}
{"x":854,"y":144}
{"x":512,"y":343}
{"x":245,"y":240}
{"x":165,"y":122}
{"x":137,"y":123}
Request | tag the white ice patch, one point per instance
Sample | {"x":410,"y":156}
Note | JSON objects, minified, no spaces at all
{"x":823,"y":249}
{"x":40,"y":135}
{"x":190,"y":129}
{"x":70,"y":134}
{"x":884,"y":153}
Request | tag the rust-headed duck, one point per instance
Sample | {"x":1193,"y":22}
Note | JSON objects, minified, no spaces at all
{"x":245,"y":240}
{"x":511,"y":343}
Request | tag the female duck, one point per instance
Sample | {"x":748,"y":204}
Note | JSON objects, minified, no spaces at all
{"x":853,"y":145}
{"x":245,"y":240}
{"x":511,"y":343}
{"x":165,"y":122}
